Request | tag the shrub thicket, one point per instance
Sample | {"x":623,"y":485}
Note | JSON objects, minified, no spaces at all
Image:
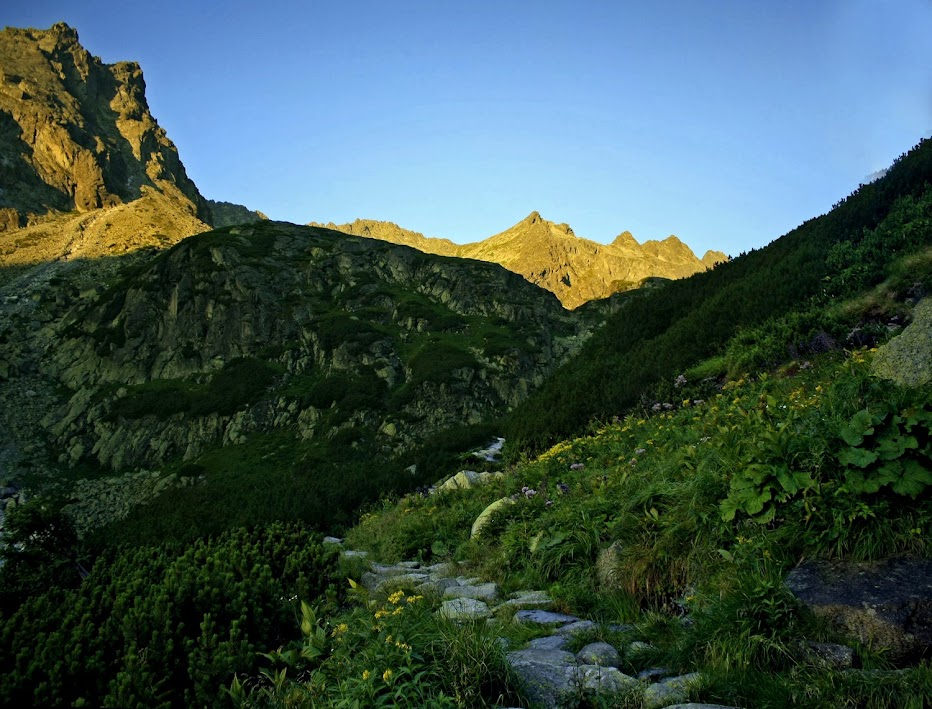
{"x":162,"y":626}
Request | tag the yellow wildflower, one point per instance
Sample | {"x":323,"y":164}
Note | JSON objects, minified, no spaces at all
{"x":387,"y":675}
{"x":380,"y":613}
{"x":388,"y":640}
{"x":366,"y":675}
{"x":398,"y":611}
{"x":396,"y":597}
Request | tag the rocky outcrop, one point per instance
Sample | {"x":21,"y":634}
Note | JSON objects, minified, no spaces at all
{"x":229,"y":214}
{"x":885,"y":604}
{"x":550,"y":255}
{"x":77,"y":134}
{"x":713,"y":258}
{"x":349,"y":337}
{"x":907,"y":358}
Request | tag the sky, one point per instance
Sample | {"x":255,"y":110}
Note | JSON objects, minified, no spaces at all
{"x":726,"y":123}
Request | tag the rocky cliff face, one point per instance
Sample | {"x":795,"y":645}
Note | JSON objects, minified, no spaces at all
{"x":229,"y":214}
{"x":77,"y":134}
{"x":550,"y":255}
{"x":273,"y":327}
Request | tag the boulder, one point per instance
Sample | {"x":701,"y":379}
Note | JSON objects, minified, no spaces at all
{"x":907,"y":358}
{"x":551,"y":642}
{"x":465,"y":609}
{"x":884,"y":604}
{"x":601,"y":654}
{"x":528,"y":599}
{"x":548,"y":676}
{"x":670,"y":691}
{"x":595,"y":679}
{"x":580,"y":626}
{"x":837,"y":657}
{"x":486,"y":515}
{"x":483,"y":592}
{"x":463,"y":480}
{"x":538,"y":617}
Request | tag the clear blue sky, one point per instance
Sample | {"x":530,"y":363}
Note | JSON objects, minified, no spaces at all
{"x":725,"y":123}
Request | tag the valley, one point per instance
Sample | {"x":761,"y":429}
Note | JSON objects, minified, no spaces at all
{"x":238,"y":456}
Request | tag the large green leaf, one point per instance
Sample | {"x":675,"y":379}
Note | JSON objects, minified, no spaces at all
{"x":861,"y":425}
{"x":858,"y":457}
{"x":895,"y":446}
{"x":914,"y":480}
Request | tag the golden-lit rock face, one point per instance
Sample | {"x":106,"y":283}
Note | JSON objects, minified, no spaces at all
{"x":77,"y":134}
{"x":550,"y":255}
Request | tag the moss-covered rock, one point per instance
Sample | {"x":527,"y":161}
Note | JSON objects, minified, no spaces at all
{"x":907,"y":358}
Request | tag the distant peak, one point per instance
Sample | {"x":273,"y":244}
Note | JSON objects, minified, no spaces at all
{"x":672,"y":240}
{"x":64,"y":28}
{"x":533,"y":218}
{"x":625,"y":238}
{"x":62,"y":33}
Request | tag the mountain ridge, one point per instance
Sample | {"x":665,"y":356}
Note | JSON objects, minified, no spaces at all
{"x":552,"y":256}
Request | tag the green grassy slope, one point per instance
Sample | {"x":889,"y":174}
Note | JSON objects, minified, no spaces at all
{"x":656,"y":337}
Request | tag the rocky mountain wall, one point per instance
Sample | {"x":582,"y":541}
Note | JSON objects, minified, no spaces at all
{"x":426,"y":342}
{"x":77,"y":134}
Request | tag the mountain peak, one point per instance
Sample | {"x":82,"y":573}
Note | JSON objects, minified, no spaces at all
{"x":533,"y":218}
{"x":625,"y":238}
{"x":64,"y":30}
{"x":90,"y":139}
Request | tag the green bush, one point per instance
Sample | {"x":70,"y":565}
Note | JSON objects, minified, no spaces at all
{"x":437,"y":359}
{"x":241,"y":382}
{"x":338,"y":328}
{"x":162,"y":626}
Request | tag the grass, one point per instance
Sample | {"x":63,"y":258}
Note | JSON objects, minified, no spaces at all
{"x":657,"y":485}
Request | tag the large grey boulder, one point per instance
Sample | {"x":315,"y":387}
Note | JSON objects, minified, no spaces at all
{"x":885,"y":604}
{"x":486,"y":515}
{"x":528,"y":599}
{"x":907,"y":358}
{"x":484,"y":592}
{"x":549,"y":677}
{"x":465,"y":609}
{"x":670,"y":691}
{"x":593,"y":679}
{"x":551,"y":642}
{"x":601,"y":654}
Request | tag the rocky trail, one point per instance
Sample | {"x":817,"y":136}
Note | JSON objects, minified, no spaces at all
{"x":551,"y":675}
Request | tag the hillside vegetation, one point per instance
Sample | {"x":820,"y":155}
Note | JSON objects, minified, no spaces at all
{"x":679,"y":521}
{"x":657,"y":337}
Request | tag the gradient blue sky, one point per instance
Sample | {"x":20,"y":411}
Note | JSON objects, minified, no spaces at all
{"x":725,"y":123}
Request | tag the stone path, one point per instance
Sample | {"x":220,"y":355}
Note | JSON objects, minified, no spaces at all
{"x":552,"y":676}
